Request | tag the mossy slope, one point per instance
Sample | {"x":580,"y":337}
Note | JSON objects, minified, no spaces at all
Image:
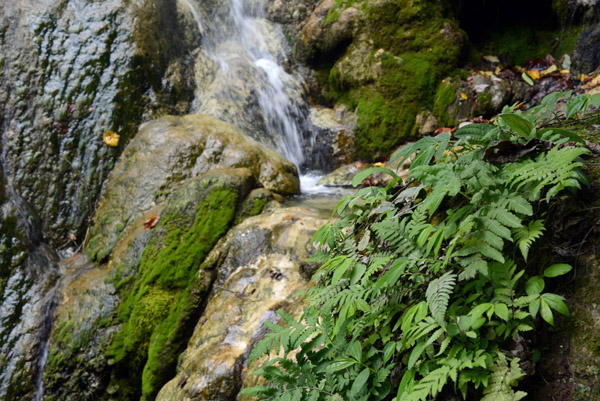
{"x":162,"y":301}
{"x":400,"y":51}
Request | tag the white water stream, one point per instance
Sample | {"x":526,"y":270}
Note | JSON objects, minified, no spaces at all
{"x":248,"y":52}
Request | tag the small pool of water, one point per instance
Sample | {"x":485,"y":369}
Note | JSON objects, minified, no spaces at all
{"x":318,"y":198}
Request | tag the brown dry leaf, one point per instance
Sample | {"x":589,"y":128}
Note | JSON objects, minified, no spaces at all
{"x":151,"y":222}
{"x":111,"y":138}
{"x":533,"y":74}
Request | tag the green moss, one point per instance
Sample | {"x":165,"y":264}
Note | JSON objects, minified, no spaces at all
{"x":444,"y":97}
{"x":158,"y":305}
{"x":523,"y":42}
{"x":421,"y":47}
{"x":386,"y":113}
{"x":336,"y":11}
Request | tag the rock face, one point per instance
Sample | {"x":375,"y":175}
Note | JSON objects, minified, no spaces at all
{"x":261,"y":264}
{"x":71,"y":71}
{"x":134,"y":314}
{"x":376,"y":58}
{"x":169,"y":150}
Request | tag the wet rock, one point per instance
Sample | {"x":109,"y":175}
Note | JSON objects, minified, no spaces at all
{"x":342,"y":176}
{"x":168,"y":151}
{"x":153,"y":288}
{"x":332,"y":138}
{"x":27,"y":275}
{"x":259,"y":270}
{"x":482,"y":93}
{"x":319,"y":38}
{"x":291,"y":14}
{"x":426,"y":122}
{"x":71,"y":71}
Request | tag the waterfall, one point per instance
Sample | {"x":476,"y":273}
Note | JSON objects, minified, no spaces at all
{"x":250,"y":87}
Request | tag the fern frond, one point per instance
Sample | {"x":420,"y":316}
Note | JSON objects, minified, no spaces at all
{"x":438,"y":295}
{"x":504,"y":377}
{"x":525,"y":235}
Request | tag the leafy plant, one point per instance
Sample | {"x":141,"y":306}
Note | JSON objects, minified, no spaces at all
{"x":423,"y":283}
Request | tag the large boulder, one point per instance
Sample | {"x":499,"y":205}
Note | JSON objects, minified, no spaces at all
{"x":168,"y":151}
{"x":262,"y":263}
{"x":383,"y":58}
{"x":135,"y":313}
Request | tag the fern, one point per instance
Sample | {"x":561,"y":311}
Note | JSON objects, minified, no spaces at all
{"x":438,"y":295}
{"x":504,"y":377}
{"x":420,"y":278}
{"x":525,"y":236}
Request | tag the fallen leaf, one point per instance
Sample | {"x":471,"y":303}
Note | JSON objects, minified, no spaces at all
{"x":595,"y":81}
{"x":565,"y":71}
{"x":151,"y":222}
{"x":491,"y":59}
{"x":533,"y":74}
{"x":72,"y":237}
{"x":549,"y":70}
{"x":464,"y":96}
{"x":527,"y":79}
{"x":442,"y":130}
{"x":111,"y":138}
{"x":378,"y":164}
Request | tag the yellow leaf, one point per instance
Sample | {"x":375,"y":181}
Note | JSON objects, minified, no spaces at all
{"x":111,"y":138}
{"x":464,"y":96}
{"x":595,"y":81}
{"x":533,"y":74}
{"x":378,"y":164}
{"x":549,"y":70}
{"x":565,"y":71}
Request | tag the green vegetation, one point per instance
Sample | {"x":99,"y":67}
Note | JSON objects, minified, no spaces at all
{"x":160,"y":303}
{"x":336,"y":11}
{"x":420,"y":48}
{"x":426,"y":285}
{"x":525,"y":42}
{"x":444,"y":97}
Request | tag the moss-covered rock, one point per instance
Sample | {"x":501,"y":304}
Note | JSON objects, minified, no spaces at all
{"x":388,"y":71}
{"x":260,"y":266}
{"x":168,"y":151}
{"x":119,"y":328}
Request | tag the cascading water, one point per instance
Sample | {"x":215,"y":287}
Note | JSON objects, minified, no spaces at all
{"x":250,"y":87}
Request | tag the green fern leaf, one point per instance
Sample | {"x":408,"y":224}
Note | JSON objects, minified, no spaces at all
{"x":525,"y":235}
{"x":438,"y":295}
{"x":504,"y":377}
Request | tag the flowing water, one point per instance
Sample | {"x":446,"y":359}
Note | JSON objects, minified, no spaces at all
{"x":251,"y":88}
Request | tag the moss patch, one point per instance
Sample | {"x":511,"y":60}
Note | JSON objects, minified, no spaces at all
{"x":420,"y":46}
{"x":160,"y":305}
{"x":444,"y":97}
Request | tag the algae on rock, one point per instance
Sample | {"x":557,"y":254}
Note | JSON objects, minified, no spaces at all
{"x":135,"y":313}
{"x":261,"y":264}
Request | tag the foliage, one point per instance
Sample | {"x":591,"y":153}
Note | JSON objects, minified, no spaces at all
{"x":423,"y":283}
